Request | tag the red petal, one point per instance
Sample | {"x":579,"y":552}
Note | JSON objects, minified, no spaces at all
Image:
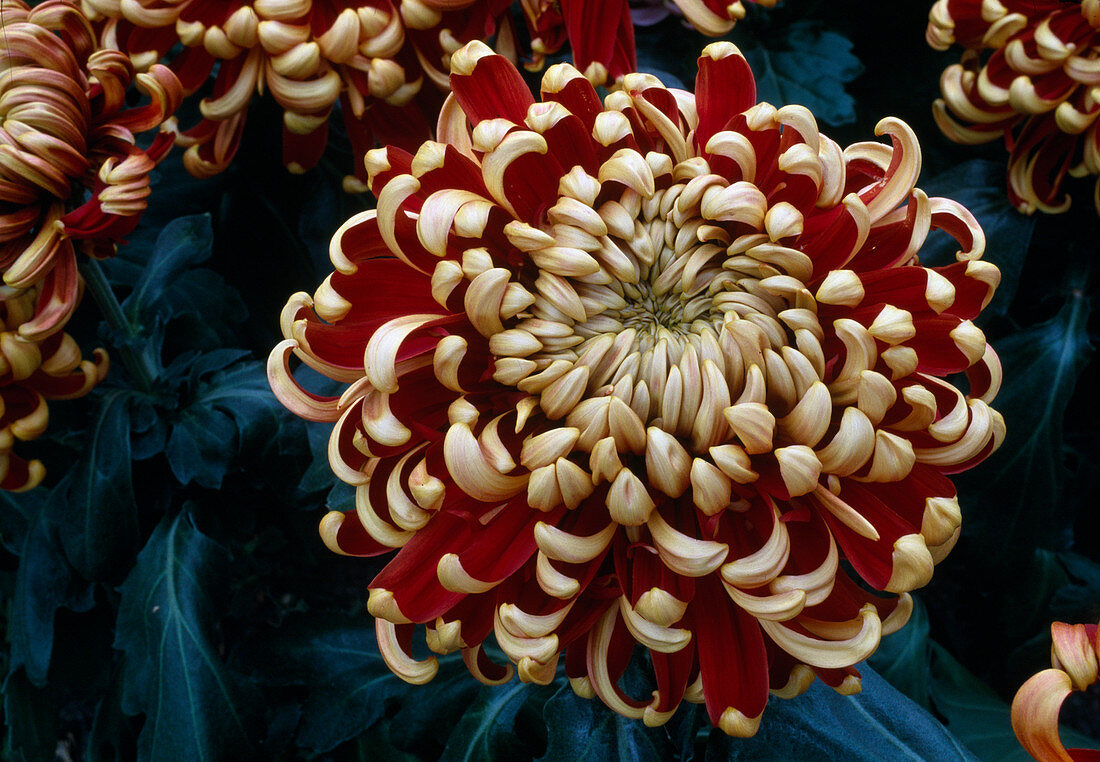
{"x":600,"y":32}
{"x":732,"y":658}
{"x":724,"y":87}
{"x":493,"y":90}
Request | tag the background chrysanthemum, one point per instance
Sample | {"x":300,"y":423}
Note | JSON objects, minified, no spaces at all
{"x":714,"y":17}
{"x":72,"y":177}
{"x":32,"y":372}
{"x":1074,"y":656}
{"x":645,"y":373}
{"x":73,"y":181}
{"x":1028,"y":73}
{"x":384,"y":61}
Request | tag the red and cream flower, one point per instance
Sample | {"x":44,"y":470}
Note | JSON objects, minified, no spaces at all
{"x":373,"y":56}
{"x":647,"y":372}
{"x":1074,"y":657}
{"x":1029,"y":73}
{"x":716,"y":17}
{"x":32,"y":372}
{"x":71,"y":176}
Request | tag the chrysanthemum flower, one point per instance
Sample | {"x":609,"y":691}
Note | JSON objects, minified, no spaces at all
{"x":373,"y":56}
{"x":716,"y":17}
{"x":1074,"y":656}
{"x":1028,"y":74}
{"x":32,"y":372}
{"x":647,"y":372}
{"x":71,"y":176}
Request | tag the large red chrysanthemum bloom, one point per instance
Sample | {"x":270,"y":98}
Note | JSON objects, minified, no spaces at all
{"x":71,"y":176}
{"x":1028,"y":74}
{"x":1074,"y":656}
{"x":647,"y":373}
{"x":32,"y":372}
{"x":373,"y":56}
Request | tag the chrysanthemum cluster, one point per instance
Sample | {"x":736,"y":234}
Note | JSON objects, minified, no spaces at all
{"x":32,"y":372}
{"x":73,"y":177}
{"x":384,"y":61}
{"x":1028,"y":73}
{"x":1075,"y":666}
{"x":647,"y":371}
{"x":72,"y":181}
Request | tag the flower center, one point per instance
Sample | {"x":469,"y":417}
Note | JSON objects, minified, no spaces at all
{"x":656,"y":315}
{"x":679,"y":316}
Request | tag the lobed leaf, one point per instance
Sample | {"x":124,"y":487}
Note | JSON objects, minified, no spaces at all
{"x":195,"y":708}
{"x":336,"y":657}
{"x":821,"y":725}
{"x":232,"y":408}
{"x":44,"y":583}
{"x":1020,"y":484}
{"x":100,"y":513}
{"x":808,"y":65}
{"x":30,"y":713}
{"x":587,"y":731}
{"x":488,"y":729}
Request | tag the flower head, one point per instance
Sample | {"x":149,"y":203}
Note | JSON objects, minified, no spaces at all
{"x":1074,"y":657}
{"x":385,"y":61}
{"x":646,"y":372}
{"x":716,"y":17}
{"x":32,"y":372}
{"x":72,"y":176}
{"x":1027,"y":74}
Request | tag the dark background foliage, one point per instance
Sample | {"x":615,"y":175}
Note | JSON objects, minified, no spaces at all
{"x":166,"y":597}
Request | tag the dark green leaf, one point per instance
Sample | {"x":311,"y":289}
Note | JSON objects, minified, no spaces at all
{"x":821,"y":725}
{"x":113,"y":732}
{"x":319,"y":475}
{"x":977,"y":716}
{"x":30,"y":714}
{"x":807,"y":65}
{"x":979,"y":186}
{"x":100,"y":515}
{"x":902,"y":657}
{"x":587,"y":731}
{"x":170,"y":285}
{"x":430,"y":712}
{"x":335,"y":656}
{"x":488,"y":729}
{"x":1018,"y":487}
{"x":16,"y":511}
{"x":194,"y":707}
{"x":1079,"y":600}
{"x":231,"y":410}
{"x":44,"y":583}
{"x":376,"y":746}
{"x":183,"y":243}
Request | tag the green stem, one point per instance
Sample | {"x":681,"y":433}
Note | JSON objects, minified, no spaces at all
{"x":104,"y":295}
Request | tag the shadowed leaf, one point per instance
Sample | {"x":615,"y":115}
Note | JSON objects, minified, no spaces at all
{"x":1041,"y":365}
{"x":30,"y":714}
{"x":44,"y":582}
{"x":100,"y":515}
{"x":336,"y":657}
{"x":488,"y":729}
{"x":232,"y":409}
{"x":587,"y":731}
{"x":977,"y":716}
{"x":807,"y":65}
{"x":821,"y":725}
{"x":195,"y":708}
